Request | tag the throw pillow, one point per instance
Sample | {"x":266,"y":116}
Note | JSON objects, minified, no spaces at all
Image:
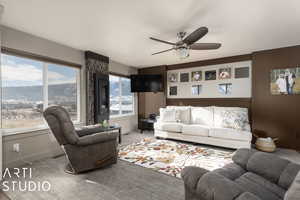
{"x":183,"y":115}
{"x":235,"y":119}
{"x":168,"y":115}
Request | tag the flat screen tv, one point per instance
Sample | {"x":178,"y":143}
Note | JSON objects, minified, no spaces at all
{"x":146,"y":83}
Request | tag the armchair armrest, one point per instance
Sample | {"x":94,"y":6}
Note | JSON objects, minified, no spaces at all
{"x":217,"y":187}
{"x":97,"y":138}
{"x":247,"y":196}
{"x":191,"y":175}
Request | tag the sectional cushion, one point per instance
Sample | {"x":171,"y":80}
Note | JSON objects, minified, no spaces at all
{"x":231,"y":117}
{"x":167,"y":115}
{"x":195,"y":129}
{"x":202,"y":115}
{"x":267,"y":165}
{"x":168,"y":126}
{"x":288,"y":175}
{"x":231,"y":134}
{"x":248,"y":182}
{"x":293,"y":192}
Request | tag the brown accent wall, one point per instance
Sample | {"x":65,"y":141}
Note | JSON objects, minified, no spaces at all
{"x":150,"y":102}
{"x":275,"y":116}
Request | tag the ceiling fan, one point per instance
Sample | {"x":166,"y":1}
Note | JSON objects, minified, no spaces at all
{"x":188,"y":43}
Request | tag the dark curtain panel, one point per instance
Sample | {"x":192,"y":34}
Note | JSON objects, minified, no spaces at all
{"x":95,"y":63}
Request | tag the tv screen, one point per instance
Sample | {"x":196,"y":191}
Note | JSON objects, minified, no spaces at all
{"x":146,"y":83}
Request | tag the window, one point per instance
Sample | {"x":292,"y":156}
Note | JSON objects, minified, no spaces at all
{"x":121,"y":99}
{"x":29,"y":86}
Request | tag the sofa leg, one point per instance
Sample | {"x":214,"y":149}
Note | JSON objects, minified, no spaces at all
{"x":69,"y":169}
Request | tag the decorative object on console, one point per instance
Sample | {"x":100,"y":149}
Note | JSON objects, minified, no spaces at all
{"x":225,"y":73}
{"x":171,"y":157}
{"x":210,"y":75}
{"x":196,"y":89}
{"x":184,"y":77}
{"x":173,"y":90}
{"x":197,"y":76}
{"x":265,"y":144}
{"x":95,"y":64}
{"x":173,"y":77}
{"x":225,"y":88}
{"x":285,"y":81}
{"x":242,"y":72}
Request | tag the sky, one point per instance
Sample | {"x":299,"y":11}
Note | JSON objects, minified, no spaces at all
{"x":17,"y":71}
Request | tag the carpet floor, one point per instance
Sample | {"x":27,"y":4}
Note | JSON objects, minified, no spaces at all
{"x":122,"y":181}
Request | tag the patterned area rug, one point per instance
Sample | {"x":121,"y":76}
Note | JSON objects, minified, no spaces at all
{"x":171,"y":157}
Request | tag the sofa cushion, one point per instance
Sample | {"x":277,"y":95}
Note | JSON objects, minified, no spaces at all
{"x":231,"y":171}
{"x":288,"y":175}
{"x":168,"y":115}
{"x":195,"y":129}
{"x":251,"y":183}
{"x":267,"y":165}
{"x":202,"y":115}
{"x":231,"y":134}
{"x":241,"y":156}
{"x":231,"y":117}
{"x":168,"y":126}
{"x":293,"y":192}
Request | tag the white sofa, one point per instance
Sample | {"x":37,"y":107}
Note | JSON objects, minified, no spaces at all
{"x":220,"y":126}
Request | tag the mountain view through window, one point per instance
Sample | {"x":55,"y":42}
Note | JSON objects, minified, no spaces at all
{"x":25,"y":93}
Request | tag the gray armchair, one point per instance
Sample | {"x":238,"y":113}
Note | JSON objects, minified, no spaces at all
{"x":85,"y":149}
{"x":254,"y":175}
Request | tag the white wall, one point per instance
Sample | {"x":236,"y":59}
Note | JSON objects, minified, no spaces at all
{"x":241,"y":87}
{"x":40,"y":144}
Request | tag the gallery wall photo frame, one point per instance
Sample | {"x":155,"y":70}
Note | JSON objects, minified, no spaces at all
{"x":184,"y":77}
{"x":224,"y":73}
{"x":285,"y":81}
{"x":196,"y":90}
{"x":242,"y":72}
{"x":173,"y":90}
{"x":173,"y":77}
{"x":210,"y":75}
{"x":196,"y":76}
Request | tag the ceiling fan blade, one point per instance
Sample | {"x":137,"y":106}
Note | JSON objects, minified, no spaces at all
{"x":158,"y":40}
{"x":205,"y":46}
{"x":163,"y":51}
{"x":196,"y":35}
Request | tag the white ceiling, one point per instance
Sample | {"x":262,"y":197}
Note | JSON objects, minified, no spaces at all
{"x":120,"y":29}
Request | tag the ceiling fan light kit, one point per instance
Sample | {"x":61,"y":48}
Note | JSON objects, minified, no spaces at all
{"x":184,"y":45}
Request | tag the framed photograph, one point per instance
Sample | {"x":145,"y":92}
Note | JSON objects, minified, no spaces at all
{"x":184,"y":77}
{"x":242,"y":72}
{"x":197,"y":76}
{"x":173,"y":90}
{"x":225,"y":88}
{"x":224,"y":73}
{"x":210,"y":75}
{"x":196,"y":89}
{"x":173,"y":77}
{"x":285,"y":81}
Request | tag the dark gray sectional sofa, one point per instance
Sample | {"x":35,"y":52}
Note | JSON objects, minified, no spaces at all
{"x":253,"y":175}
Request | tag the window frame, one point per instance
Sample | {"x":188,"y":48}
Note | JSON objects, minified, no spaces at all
{"x":120,"y":115}
{"x":45,"y":61}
